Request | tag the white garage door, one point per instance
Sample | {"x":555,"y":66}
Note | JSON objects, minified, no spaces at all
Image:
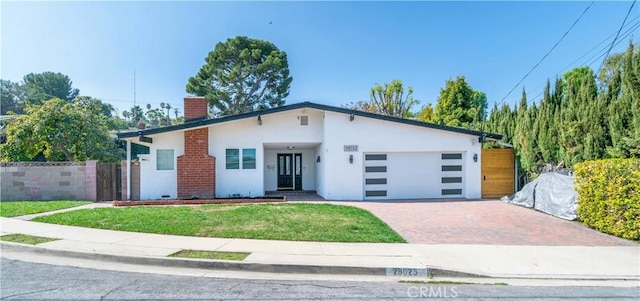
{"x":413,"y":175}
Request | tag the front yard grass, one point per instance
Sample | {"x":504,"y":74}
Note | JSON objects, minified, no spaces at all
{"x":26,"y":239}
{"x":300,"y":222}
{"x":11,"y":209}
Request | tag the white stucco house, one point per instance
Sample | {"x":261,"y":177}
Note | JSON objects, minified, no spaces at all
{"x":340,"y":154}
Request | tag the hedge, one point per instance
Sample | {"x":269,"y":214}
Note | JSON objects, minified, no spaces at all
{"x":609,"y":196}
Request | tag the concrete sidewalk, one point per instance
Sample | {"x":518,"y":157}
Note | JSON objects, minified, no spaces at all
{"x":539,"y":262}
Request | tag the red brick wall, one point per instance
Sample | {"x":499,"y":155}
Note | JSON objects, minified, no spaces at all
{"x":195,"y":108}
{"x":196,"y":169}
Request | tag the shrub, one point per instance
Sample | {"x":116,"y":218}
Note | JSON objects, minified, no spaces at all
{"x":609,"y":196}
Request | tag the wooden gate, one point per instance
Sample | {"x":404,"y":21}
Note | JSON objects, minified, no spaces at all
{"x":135,"y":181}
{"x":108,"y":182}
{"x":498,"y":172}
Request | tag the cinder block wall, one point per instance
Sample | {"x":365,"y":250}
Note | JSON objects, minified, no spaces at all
{"x":25,"y":181}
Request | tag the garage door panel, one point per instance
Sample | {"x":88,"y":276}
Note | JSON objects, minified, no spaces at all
{"x":413,"y":175}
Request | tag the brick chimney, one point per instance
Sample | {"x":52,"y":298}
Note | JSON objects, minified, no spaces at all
{"x":195,"y":107}
{"x":196,"y":168}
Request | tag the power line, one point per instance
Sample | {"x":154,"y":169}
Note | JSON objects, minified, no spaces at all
{"x":545,"y":56}
{"x":631,"y":29}
{"x":595,"y":57}
{"x":614,"y":40}
{"x":531,"y":100}
{"x":602,"y":52}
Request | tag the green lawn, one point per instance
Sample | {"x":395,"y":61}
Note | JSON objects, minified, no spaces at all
{"x":10,"y":209}
{"x":210,"y":255}
{"x":26,"y":239}
{"x":302,"y":222}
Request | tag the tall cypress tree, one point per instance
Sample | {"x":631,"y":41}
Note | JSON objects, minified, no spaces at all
{"x":524,"y":138}
{"x":630,"y":99}
{"x":580,"y":92}
{"x":546,"y":126}
{"x":580,"y":117}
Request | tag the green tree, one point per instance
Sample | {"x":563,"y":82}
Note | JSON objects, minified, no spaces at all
{"x":460,"y":105}
{"x":47,"y":85}
{"x":581,"y":117}
{"x":525,"y":135}
{"x":426,"y":114}
{"x":580,"y":92}
{"x":12,"y":95}
{"x":62,"y":131}
{"x":155,"y":117}
{"x":166,"y":106}
{"x":96,"y":105}
{"x":361,"y":105}
{"x":623,"y":96}
{"x":134,"y":116}
{"x":114,"y":122}
{"x":243,"y":75}
{"x":507,"y":124}
{"x":547,"y":125}
{"x":391,"y":100}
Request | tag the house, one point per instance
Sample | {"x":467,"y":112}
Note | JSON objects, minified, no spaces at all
{"x":340,"y":153}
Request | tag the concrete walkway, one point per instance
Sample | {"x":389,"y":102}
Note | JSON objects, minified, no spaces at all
{"x":504,"y":261}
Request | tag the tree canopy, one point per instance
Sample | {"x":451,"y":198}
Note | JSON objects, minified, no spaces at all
{"x":39,"y":87}
{"x":62,"y":131}
{"x":582,"y":116}
{"x":361,"y":105}
{"x":460,"y":105}
{"x":242,"y":75}
{"x":390,"y":99}
{"x":12,"y":95}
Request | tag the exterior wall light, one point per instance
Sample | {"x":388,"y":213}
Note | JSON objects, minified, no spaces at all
{"x":352,"y":117}
{"x":351,"y":159}
{"x":259,"y":120}
{"x":475,"y":157}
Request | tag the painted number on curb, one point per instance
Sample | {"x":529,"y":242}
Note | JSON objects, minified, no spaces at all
{"x":413,"y":272}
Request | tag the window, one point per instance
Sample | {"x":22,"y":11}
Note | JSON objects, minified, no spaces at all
{"x":233,"y":158}
{"x":248,"y":158}
{"x":164,"y":159}
{"x":451,"y":156}
{"x":138,"y":149}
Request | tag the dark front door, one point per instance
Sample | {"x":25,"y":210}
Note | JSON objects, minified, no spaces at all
{"x":289,"y":171}
{"x":285,"y":173}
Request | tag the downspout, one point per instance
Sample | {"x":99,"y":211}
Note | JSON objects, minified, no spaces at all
{"x":128,"y":169}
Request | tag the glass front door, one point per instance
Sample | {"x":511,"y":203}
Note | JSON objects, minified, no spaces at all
{"x":289,"y":171}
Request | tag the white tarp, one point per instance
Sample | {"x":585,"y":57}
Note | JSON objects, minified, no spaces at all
{"x":552,"y":193}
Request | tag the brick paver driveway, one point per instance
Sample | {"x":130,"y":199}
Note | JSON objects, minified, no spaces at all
{"x":483,"y":222}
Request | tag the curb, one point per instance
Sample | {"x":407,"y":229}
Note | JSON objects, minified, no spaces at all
{"x":228,"y":265}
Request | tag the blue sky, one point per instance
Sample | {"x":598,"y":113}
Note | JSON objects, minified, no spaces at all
{"x":337,"y":50}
